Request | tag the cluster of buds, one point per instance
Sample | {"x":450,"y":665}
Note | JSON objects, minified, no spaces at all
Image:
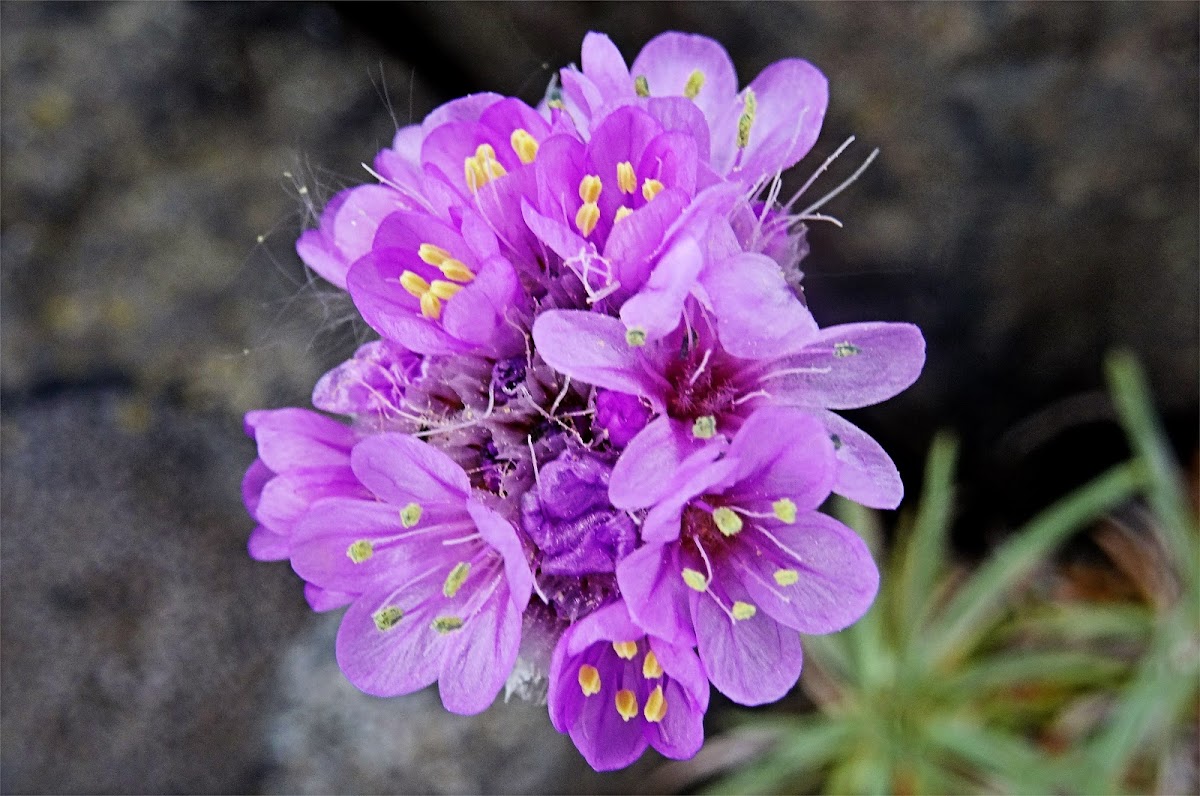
{"x":585,"y":456}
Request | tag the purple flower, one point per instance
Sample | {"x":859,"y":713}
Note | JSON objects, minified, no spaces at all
{"x":736,"y":557}
{"x":440,"y":579}
{"x":302,"y":458}
{"x":755,"y":134}
{"x":617,"y":691}
{"x":698,"y":390}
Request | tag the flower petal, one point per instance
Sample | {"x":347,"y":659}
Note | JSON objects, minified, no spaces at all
{"x":758,"y":313}
{"x":592,"y":348}
{"x":850,"y":366}
{"x":658,"y":306}
{"x":502,"y":536}
{"x":668,"y":61}
{"x":752,"y":661}
{"x":292,"y":438}
{"x":782,"y":453}
{"x":791,"y":99}
{"x":401,"y":469}
{"x":865,"y":472}
{"x":481,"y":655}
{"x":835,"y":576}
{"x":650,"y":579}
{"x":658,"y":449}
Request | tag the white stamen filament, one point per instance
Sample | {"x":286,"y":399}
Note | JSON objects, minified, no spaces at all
{"x":703,"y":365}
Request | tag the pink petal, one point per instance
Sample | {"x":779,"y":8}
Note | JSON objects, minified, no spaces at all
{"x":758,"y":313}
{"x":592,"y":348}
{"x":480,"y":656}
{"x":400,"y":469}
{"x":668,"y":60}
{"x":865,"y":472}
{"x":651,"y":581}
{"x":783,"y":453}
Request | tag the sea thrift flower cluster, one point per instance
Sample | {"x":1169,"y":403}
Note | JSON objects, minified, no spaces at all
{"x":584,"y":458}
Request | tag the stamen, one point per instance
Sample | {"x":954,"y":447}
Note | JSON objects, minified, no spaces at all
{"x":410,"y":515}
{"x":705,"y":427}
{"x":656,"y":706}
{"x":414,"y":283}
{"x":636,"y":337}
{"x":444,"y":290}
{"x":742,"y":610}
{"x":360,"y":551}
{"x":433,"y":255}
{"x":784,"y":510}
{"x":695,"y":580}
{"x":847,"y":349}
{"x":387,"y":617}
{"x":625,"y":649}
{"x":589,"y":680}
{"x":651,"y":188}
{"x":589,"y":188}
{"x":431,"y":306}
{"x":456,"y":578}
{"x":651,"y":668}
{"x":447,"y":624}
{"x":587,"y":217}
{"x":627,"y":704}
{"x":786,"y":577}
{"x":641,"y":86}
{"x":456,"y":270}
{"x":626,"y":179}
{"x":695,"y":82}
{"x":702,"y":366}
{"x":474,"y":174}
{"x":524,"y":144}
{"x":727,"y":521}
{"x":485,"y":152}
{"x":621,"y":213}
{"x":746,"y":120}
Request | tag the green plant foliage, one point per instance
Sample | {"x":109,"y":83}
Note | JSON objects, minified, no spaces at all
{"x":951,"y":682}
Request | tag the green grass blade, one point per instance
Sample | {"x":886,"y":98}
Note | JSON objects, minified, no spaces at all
{"x":924,"y":550}
{"x":1009,"y":759}
{"x":870,"y":652}
{"x":1021,"y":668}
{"x":973,"y":609}
{"x":1165,"y":493}
{"x":1083,"y":622}
{"x":803,"y":750}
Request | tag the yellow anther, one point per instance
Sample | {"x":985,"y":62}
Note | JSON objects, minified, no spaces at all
{"x":587,"y":217}
{"x":557,"y":104}
{"x":651,"y":668}
{"x":743,"y":610}
{"x":727,"y":521}
{"x":625,"y":649}
{"x":846,"y":349}
{"x":635,"y":337}
{"x":456,"y":270}
{"x":695,"y":82}
{"x":786,"y":577}
{"x":444,"y":290}
{"x":705,"y":427}
{"x":447,"y":624}
{"x":589,"y":188}
{"x":387,"y":617}
{"x":456,"y":578}
{"x":627,"y":704}
{"x":626,"y":179}
{"x":525,"y":145}
{"x":431,"y":306}
{"x":589,"y":680}
{"x":433,"y":255}
{"x":360,"y":551}
{"x":622,"y":212}
{"x":656,"y":705}
{"x":785,"y":510}
{"x":485,"y":152}
{"x":474,"y":174}
{"x":651,"y":188}
{"x":410,"y":515}
{"x":695,"y":580}
{"x":414,"y":283}
{"x":642,"y":86}
{"x":746,"y":120}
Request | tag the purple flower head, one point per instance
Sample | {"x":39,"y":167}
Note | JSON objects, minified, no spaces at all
{"x":698,"y":390}
{"x":620,"y":415}
{"x":302,"y":458}
{"x":617,"y":691}
{"x":756,"y":133}
{"x":440,"y":579}
{"x":371,"y":385}
{"x":736,"y":557}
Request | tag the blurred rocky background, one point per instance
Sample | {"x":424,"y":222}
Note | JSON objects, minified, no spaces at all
{"x":1034,"y":203}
